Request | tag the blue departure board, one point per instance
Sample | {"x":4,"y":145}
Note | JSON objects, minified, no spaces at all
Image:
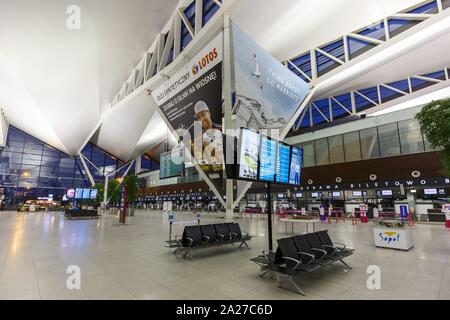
{"x":296,"y":166}
{"x":267,"y":160}
{"x":283,"y":162}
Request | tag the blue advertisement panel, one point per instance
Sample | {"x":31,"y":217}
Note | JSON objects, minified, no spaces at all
{"x":296,"y":166}
{"x":267,"y":93}
{"x":283,"y":163}
{"x":267,"y":159}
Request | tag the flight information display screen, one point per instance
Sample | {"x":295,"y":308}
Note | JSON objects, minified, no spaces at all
{"x":86,"y":193}
{"x":93,"y":194}
{"x":249,"y":155}
{"x":283,"y":162}
{"x":296,"y":166}
{"x":78,"y":193}
{"x":267,"y":161}
{"x":168,"y":167}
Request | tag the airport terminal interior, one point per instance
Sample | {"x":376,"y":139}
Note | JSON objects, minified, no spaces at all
{"x":225,"y":150}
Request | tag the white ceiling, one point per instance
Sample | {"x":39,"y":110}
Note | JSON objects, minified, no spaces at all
{"x":57,"y":84}
{"x":61,"y":81}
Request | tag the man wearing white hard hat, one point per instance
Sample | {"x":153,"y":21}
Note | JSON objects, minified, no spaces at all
{"x":208,"y":147}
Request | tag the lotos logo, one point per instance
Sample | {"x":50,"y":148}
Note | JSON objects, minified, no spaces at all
{"x":205,"y":61}
{"x":389,"y":236}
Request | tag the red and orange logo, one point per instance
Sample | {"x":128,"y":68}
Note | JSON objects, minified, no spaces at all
{"x":205,"y":61}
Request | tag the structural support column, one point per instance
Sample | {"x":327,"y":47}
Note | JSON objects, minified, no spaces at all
{"x":227,"y":87}
{"x":88,"y":172}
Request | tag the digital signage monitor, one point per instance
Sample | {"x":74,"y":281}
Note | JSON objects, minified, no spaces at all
{"x":336,"y":194}
{"x":267,"y":160}
{"x":86,"y":193}
{"x":299,"y":195}
{"x":315,"y":195}
{"x":430,"y":191}
{"x":249,"y":155}
{"x":386,"y":193}
{"x":94,"y":193}
{"x":70,"y":193}
{"x":283,"y":162}
{"x":296,"y":166}
{"x":357,"y":193}
{"x":78,"y":193}
{"x":170,"y":166}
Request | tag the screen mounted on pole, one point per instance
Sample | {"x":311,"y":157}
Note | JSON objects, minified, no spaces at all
{"x":268,"y":158}
{"x":296,"y":166}
{"x":249,"y":155}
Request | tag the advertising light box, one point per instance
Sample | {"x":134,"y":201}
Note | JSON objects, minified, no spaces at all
{"x":78,"y":193}
{"x":70,"y":193}
{"x":283,"y":162}
{"x":267,"y":160}
{"x":86,"y":193}
{"x":296,"y":166}
{"x":249,"y":155}
{"x":93,"y":193}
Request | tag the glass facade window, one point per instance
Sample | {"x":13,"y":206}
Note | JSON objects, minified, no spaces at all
{"x":389,"y":140}
{"x":336,"y":146}
{"x":411,"y":139}
{"x":309,"y":156}
{"x":29,"y":168}
{"x":352,"y":146}
{"x":369,"y":143}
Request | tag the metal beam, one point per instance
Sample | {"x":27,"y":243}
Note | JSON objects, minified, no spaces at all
{"x":366,"y":97}
{"x":186,"y":22}
{"x":88,"y":172}
{"x":428,"y":79}
{"x":411,"y":16}
{"x":365,"y":38}
{"x":299,"y":70}
{"x":393,"y":89}
{"x":330,"y":56}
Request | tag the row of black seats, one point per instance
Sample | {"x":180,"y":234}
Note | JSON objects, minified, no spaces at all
{"x":303,"y":253}
{"x":211,"y":235}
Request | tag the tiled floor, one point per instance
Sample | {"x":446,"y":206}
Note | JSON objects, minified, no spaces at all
{"x":131,"y":262}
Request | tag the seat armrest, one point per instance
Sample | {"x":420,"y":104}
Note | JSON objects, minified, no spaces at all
{"x":233,"y":235}
{"x":341,"y":245}
{"x":307,"y":254}
{"x":221,"y":236}
{"x":191,"y":241}
{"x":206,"y":238}
{"x":324,"y":253}
{"x":298,"y":262}
{"x":328,"y":246}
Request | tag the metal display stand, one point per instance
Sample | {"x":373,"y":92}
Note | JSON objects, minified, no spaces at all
{"x":269,"y":217}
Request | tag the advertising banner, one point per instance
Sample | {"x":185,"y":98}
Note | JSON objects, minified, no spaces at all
{"x":191,"y":100}
{"x":267,"y":93}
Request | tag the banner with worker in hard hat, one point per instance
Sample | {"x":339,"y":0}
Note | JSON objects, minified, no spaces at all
{"x":191,"y":100}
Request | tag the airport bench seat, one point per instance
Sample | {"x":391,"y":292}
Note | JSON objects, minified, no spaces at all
{"x":204,"y":236}
{"x":299,"y":254}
